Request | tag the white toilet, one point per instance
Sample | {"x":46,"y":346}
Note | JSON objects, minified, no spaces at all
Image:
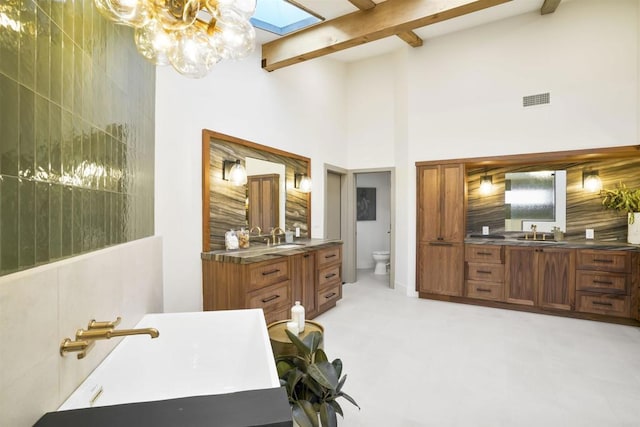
{"x":382,"y":259}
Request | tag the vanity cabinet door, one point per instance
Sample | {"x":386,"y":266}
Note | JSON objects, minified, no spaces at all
{"x":304,"y":282}
{"x":521,"y":275}
{"x":441,"y":203}
{"x":440,"y":268}
{"x":556,"y":278}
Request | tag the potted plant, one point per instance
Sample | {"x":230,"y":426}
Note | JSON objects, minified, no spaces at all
{"x":313,"y":383}
{"x":624,"y":199}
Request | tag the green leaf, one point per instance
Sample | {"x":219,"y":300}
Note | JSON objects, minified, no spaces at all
{"x":314,"y":387}
{"x":304,"y":414}
{"x":336,"y":406}
{"x":328,"y":416}
{"x":284,"y":366}
{"x":337,"y":363}
{"x":292,"y":380}
{"x":341,"y":383}
{"x":313,"y":341}
{"x":325,"y":374}
{"x":349,"y":398}
{"x":320,"y":356}
{"x":302,"y":348}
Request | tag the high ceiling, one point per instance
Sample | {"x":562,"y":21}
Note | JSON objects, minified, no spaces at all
{"x":331,"y":9}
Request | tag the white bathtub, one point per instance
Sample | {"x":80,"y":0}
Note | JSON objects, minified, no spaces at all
{"x":202,"y":353}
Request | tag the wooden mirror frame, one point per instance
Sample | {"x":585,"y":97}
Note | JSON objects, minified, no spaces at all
{"x":207,"y":135}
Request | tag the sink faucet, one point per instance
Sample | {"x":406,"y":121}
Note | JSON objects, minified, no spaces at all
{"x":273,"y":234}
{"x":534,"y":228}
{"x":259,"y":230}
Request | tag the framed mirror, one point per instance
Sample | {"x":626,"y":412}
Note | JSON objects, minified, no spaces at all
{"x":268,"y":199}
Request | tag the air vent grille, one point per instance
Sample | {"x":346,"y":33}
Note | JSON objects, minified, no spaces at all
{"x":539,"y":99}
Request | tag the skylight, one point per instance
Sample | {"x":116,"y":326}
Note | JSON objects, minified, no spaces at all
{"x":282,"y":17}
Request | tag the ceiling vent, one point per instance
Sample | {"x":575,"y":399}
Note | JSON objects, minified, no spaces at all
{"x":539,"y":99}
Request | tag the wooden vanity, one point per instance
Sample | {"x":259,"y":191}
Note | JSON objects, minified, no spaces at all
{"x":272,"y":278}
{"x":588,"y":279}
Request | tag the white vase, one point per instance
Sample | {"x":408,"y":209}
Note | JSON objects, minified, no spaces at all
{"x":633,"y":233}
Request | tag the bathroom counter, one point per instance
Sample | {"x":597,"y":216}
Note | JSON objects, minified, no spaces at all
{"x":569,"y":244}
{"x":259,"y":252}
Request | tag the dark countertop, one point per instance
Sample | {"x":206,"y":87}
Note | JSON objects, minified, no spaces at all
{"x":260,"y":408}
{"x":571,"y":244}
{"x":260,"y":252}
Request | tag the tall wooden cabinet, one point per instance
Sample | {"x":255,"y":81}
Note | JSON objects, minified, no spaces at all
{"x":440,"y":229}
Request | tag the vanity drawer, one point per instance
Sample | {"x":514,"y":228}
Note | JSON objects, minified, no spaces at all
{"x":329,"y":255}
{"x":484,"y":253}
{"x":484,"y":290}
{"x":597,"y":281}
{"x":485,"y":272}
{"x":328,"y":297}
{"x":271,"y":298}
{"x":329,"y":276}
{"x":267,"y":273}
{"x":589,"y":259}
{"x":608,"y":304}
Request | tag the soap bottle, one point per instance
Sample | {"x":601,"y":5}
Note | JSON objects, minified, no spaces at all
{"x":297,"y":315}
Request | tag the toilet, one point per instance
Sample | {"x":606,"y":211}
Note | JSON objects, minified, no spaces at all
{"x":382,"y":259}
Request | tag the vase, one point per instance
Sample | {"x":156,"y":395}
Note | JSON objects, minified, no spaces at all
{"x":633,"y":233}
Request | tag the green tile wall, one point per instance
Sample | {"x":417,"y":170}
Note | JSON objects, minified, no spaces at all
{"x":76,"y":133}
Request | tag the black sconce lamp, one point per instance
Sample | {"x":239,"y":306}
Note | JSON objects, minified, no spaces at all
{"x":302,"y":182}
{"x":234,"y":172}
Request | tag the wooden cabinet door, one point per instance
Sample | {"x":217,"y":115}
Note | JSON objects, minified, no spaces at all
{"x":521,"y":275}
{"x":441,"y":203}
{"x":303,"y":267}
{"x":440,"y":268}
{"x":556,"y":278}
{"x":452,"y":216}
{"x":263,"y":198}
{"x":429,"y":203}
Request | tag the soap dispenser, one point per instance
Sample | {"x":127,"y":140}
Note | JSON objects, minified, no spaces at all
{"x":297,"y":315}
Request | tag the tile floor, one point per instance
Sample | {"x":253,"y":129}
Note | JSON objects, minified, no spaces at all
{"x":415,"y":362}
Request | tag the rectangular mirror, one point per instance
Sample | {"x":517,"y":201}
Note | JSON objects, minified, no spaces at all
{"x":537,"y":197}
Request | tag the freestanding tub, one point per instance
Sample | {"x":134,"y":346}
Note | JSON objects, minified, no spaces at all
{"x":196,"y":354}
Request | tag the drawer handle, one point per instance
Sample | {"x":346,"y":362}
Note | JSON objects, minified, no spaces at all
{"x":329,"y":256}
{"x":329,"y":276}
{"x":606,"y":261}
{"x":608,"y":304}
{"x":483,"y":271}
{"x":602,"y":282}
{"x":483,"y":290}
{"x":331,"y":295}
{"x":484,"y":253}
{"x":306,"y":255}
{"x":271,"y":298}
{"x":266,"y":273}
{"x":440,"y":244}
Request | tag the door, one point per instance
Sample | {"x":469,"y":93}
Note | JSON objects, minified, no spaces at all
{"x":521,"y":275}
{"x":556,"y":278}
{"x":439,"y":268}
{"x":334,"y":206}
{"x":263,"y":208}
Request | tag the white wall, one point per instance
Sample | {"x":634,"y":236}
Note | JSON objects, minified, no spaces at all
{"x":41,"y":306}
{"x":464,"y":91}
{"x":301,"y":109}
{"x":373,"y":235}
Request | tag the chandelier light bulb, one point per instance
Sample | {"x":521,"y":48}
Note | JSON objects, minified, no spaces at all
{"x":191,"y":35}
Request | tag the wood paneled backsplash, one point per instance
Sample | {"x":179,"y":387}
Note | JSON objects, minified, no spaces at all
{"x":584,"y":209}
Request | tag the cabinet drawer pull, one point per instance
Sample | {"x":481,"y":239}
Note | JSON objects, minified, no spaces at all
{"x":306,"y":255}
{"x":602,"y":282}
{"x":440,"y":244}
{"x":606,"y":261}
{"x":483,"y":271}
{"x":329,"y":276}
{"x":608,"y":304}
{"x":266,"y":273}
{"x":271,"y":298}
{"x":331,"y":295}
{"x":484,"y":253}
{"x":483,"y":290}
{"x":329,"y":256}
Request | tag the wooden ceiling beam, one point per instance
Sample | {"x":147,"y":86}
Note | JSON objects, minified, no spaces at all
{"x":549,"y":6}
{"x":386,"y":19}
{"x":411,"y":38}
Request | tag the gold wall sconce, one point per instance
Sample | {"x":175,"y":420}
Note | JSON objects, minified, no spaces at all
{"x":591,"y":181}
{"x":234,"y":172}
{"x":302,"y":182}
{"x":486,"y":185}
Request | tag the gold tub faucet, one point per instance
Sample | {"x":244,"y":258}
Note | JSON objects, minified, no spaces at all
{"x":99,"y":330}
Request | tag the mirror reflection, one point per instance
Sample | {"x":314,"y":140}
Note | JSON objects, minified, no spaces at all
{"x":266,"y":194}
{"x":537,"y":197}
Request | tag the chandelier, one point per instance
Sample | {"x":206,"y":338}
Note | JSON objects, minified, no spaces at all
{"x":191,"y":35}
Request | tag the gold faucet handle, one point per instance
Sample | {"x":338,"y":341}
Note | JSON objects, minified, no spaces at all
{"x":94,"y":324}
{"x":79,"y":346}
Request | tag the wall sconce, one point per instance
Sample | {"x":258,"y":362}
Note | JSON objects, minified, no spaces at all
{"x":302,"y":182}
{"x":234,"y":172}
{"x":486,"y":185}
{"x":591,"y":181}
